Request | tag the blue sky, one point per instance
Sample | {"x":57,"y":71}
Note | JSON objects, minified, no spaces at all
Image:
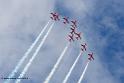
{"x":105,"y":22}
{"x":100,"y":21}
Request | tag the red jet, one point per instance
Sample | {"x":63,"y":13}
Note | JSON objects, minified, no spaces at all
{"x":55,"y":16}
{"x":91,"y":56}
{"x":71,"y":38}
{"x":78,"y":36}
{"x":83,"y":47}
{"x":72,"y":30}
{"x":66,"y":20}
{"x":74,"y":23}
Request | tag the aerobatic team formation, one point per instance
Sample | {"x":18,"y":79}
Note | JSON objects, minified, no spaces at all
{"x":72,"y":36}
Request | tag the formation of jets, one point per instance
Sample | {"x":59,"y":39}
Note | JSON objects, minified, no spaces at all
{"x":73,"y":33}
{"x":55,"y":16}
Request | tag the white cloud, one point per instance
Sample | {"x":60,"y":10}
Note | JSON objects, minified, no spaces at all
{"x":79,"y":7}
{"x":20,"y":23}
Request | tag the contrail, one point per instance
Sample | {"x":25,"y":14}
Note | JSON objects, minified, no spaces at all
{"x":12,"y":74}
{"x":71,"y":69}
{"x":56,"y":65}
{"x":82,"y":75}
{"x":34,"y":55}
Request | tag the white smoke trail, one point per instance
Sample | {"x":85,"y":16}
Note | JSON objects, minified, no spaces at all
{"x":34,"y":55}
{"x":56,"y":65}
{"x":26,"y":54}
{"x":71,"y":69}
{"x":82,"y":75}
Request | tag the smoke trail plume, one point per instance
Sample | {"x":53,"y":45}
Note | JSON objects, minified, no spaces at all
{"x":81,"y":78}
{"x":34,"y":55}
{"x":56,"y":65}
{"x":12,"y":74}
{"x":71,"y":69}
